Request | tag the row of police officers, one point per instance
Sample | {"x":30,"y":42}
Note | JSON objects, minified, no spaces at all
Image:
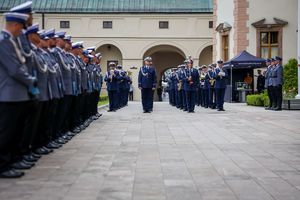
{"x":49,"y":90}
{"x":118,"y":84}
{"x":189,"y":86}
{"x":274,"y":82}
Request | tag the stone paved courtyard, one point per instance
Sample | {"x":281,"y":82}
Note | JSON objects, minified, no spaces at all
{"x":243,"y":153}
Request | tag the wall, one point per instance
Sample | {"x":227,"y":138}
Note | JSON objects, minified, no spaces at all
{"x":269,"y":9}
{"x":224,"y":13}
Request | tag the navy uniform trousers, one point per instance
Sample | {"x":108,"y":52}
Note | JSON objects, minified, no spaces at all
{"x":147,"y":99}
{"x":220,"y":94}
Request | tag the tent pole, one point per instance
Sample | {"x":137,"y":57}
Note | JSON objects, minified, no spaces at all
{"x":231,"y":83}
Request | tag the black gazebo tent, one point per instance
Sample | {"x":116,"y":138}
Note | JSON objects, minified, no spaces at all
{"x":240,"y":65}
{"x":244,"y":60}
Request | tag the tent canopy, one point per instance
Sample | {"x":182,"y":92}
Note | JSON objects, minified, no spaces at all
{"x":245,"y":60}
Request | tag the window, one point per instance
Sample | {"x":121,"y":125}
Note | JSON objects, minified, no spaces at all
{"x":269,"y":44}
{"x":210,"y":24}
{"x":64,"y":24}
{"x":163,"y":24}
{"x":107,"y":24}
{"x":225,"y":47}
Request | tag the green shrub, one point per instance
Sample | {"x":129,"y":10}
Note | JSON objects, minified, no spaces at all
{"x":290,"y":86}
{"x":103,"y":98}
{"x":258,"y":99}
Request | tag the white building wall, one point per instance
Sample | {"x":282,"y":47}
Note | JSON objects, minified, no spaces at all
{"x":268,"y":9}
{"x":225,"y":14}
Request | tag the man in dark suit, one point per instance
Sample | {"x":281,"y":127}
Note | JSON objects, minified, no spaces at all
{"x":260,"y":82}
{"x":220,"y":85}
{"x":147,"y":84}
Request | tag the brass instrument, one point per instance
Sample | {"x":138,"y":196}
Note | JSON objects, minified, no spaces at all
{"x":179,"y":84}
{"x":190,"y":80}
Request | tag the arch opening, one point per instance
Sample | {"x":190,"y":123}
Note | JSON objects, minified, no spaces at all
{"x":206,"y":56}
{"x":164,"y":58}
{"x":110,"y":53}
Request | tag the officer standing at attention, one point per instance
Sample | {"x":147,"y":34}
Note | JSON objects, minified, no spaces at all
{"x":220,"y":86}
{"x":153,"y":68}
{"x":147,"y":84}
{"x":277,"y":81}
{"x":191,"y":81}
{"x":28,"y":131}
{"x":15,"y":90}
{"x":267,"y":81}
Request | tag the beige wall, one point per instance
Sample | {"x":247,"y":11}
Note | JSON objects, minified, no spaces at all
{"x":268,"y":9}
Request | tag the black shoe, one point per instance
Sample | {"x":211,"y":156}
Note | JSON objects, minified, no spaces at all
{"x":76,"y":130}
{"x":191,"y":111}
{"x":268,"y":108}
{"x":38,"y":156}
{"x":110,"y":110}
{"x":41,"y":151}
{"x":30,"y":158}
{"x":60,"y":141}
{"x":278,"y":109}
{"x":70,"y":134}
{"x":66,"y":137}
{"x":48,"y":150}
{"x":28,"y":163}
{"x":21,"y":165}
{"x":52,"y":145}
{"x":82,"y":127}
{"x":11,"y":173}
{"x":95,"y":117}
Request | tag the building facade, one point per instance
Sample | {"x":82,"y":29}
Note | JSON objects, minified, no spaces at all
{"x":127,"y":31}
{"x":264,"y":28}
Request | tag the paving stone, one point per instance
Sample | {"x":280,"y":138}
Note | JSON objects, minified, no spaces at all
{"x":245,"y":153}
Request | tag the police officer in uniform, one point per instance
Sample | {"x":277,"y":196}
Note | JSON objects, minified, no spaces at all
{"x":267,"y":81}
{"x":15,"y":90}
{"x":111,"y":80}
{"x":147,"y":84}
{"x":191,"y":82}
{"x":277,"y":81}
{"x":220,"y":86}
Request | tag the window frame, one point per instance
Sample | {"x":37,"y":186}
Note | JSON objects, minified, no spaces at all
{"x":65,"y":22}
{"x":224,"y":49}
{"x":107,"y":22}
{"x":259,"y":46}
{"x":160,"y":23}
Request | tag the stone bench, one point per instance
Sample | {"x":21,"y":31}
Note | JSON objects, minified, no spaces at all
{"x":291,"y":104}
